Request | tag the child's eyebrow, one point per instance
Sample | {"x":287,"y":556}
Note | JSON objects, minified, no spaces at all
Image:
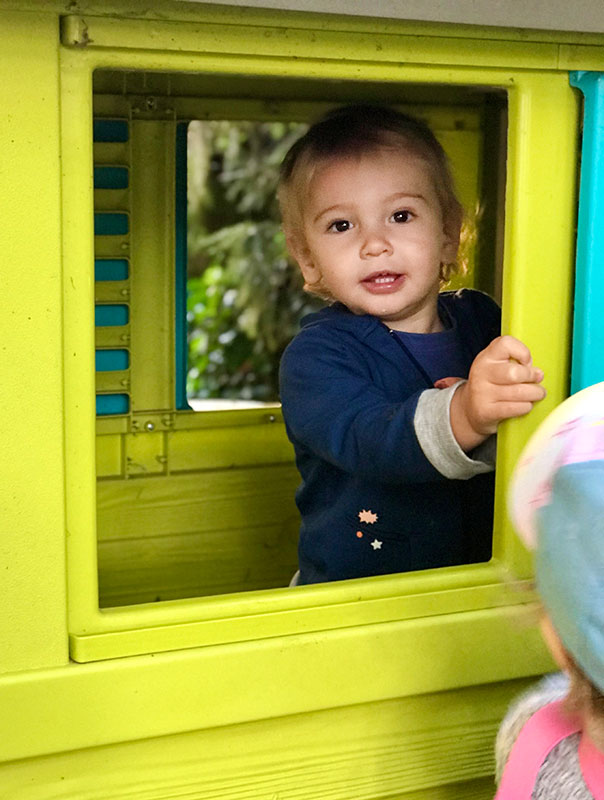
{"x":405,"y":195}
{"x":328,"y":210}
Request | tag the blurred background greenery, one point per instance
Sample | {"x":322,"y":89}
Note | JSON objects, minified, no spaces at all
{"x":245,"y":297}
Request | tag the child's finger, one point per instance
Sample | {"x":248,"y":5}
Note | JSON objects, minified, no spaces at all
{"x":520,"y":393}
{"x":509,"y":410}
{"x":505,"y":347}
{"x":519,"y":403}
{"x":510,"y":372}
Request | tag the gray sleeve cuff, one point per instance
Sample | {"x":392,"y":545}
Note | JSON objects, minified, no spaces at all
{"x":433,"y":430}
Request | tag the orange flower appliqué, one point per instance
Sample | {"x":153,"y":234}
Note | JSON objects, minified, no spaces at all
{"x":368,"y":516}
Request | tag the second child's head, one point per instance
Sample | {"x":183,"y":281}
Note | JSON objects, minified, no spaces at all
{"x":557,"y":505}
{"x":370,"y":214}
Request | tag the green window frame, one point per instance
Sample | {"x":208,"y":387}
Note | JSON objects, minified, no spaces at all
{"x":412,"y":613}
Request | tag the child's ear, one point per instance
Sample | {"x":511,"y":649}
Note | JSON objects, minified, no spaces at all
{"x":300,"y":251}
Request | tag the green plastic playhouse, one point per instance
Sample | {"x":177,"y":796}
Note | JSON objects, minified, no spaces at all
{"x":149,"y":647}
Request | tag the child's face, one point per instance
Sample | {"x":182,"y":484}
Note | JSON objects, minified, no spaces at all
{"x":374,"y":235}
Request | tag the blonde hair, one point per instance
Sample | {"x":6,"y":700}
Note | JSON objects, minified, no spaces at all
{"x":356,"y":130}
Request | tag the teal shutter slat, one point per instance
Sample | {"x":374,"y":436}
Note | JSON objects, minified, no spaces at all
{"x":110,"y":130}
{"x":111,"y":315}
{"x":111,"y":178}
{"x":111,"y":224}
{"x":110,"y":269}
{"x":112,"y":404}
{"x":111,"y":360}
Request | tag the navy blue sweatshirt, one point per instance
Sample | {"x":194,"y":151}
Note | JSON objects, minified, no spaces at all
{"x":371,"y":502}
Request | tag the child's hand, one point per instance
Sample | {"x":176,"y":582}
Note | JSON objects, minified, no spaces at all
{"x":503,"y":383}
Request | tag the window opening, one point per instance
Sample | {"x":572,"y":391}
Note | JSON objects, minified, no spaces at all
{"x":192,"y":288}
{"x":245,"y":297}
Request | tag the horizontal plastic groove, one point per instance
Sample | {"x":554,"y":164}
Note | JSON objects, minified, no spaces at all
{"x":225,"y":15}
{"x":508,"y":634}
{"x":219,"y":449}
{"x":137,"y":639}
{"x":581,"y":57}
{"x":111,"y":153}
{"x":115,"y":381}
{"x":111,"y":246}
{"x":286,"y":42}
{"x":328,"y":600}
{"x":111,"y":200}
{"x":111,"y":291}
{"x":117,"y":336}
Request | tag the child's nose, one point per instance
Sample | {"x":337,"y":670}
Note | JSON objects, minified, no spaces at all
{"x":375,"y":243}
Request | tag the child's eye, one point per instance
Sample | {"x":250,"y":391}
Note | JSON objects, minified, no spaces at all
{"x":402,"y":216}
{"x":340,"y":226}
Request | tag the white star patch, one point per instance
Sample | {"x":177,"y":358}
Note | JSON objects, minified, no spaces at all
{"x":376,"y":544}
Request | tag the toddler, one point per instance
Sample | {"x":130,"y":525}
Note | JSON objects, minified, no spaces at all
{"x":389,"y":435}
{"x":556,"y":731}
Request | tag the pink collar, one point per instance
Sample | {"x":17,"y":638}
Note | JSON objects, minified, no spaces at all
{"x":544,"y":730}
{"x":592,"y":766}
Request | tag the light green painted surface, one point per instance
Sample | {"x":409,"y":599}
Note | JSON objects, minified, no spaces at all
{"x":197,"y":533}
{"x":312,"y":42}
{"x":539,"y":252}
{"x":380,"y":750}
{"x":152,"y":264}
{"x":154,"y":695}
{"x":32,"y":523}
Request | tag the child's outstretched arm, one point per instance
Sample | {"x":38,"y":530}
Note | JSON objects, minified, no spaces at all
{"x":502,"y":383}
{"x":335,"y":410}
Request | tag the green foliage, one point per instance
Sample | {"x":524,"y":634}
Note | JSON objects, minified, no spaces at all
{"x":245,"y":298}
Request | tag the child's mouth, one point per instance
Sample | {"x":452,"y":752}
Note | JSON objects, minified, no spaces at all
{"x":383,"y":282}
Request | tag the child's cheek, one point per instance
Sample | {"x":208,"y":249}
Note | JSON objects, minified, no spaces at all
{"x":552,"y":640}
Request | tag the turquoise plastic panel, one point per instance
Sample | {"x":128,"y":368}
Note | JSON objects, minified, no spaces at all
{"x":109,"y":360}
{"x":110,"y":315}
{"x":111,"y":178}
{"x":110,"y":269}
{"x":112,"y":404}
{"x":110,"y":130}
{"x":588,"y":331}
{"x":111,"y":224}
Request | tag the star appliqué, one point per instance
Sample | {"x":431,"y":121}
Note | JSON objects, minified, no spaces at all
{"x":376,"y":544}
{"x":367,"y":516}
